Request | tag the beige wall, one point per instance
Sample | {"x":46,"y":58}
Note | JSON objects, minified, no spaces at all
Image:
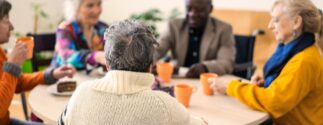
{"x":22,"y":16}
{"x":116,"y":10}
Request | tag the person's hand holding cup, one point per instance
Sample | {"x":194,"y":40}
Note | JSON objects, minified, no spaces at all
{"x":204,"y":79}
{"x":20,"y":52}
{"x":29,"y":42}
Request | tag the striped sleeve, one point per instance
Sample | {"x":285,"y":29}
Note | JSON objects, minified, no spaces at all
{"x":62,"y":118}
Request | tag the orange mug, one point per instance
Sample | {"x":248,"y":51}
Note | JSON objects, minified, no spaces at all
{"x":204,"y":79}
{"x":29,"y":41}
{"x":165,"y":71}
{"x":183,"y":93}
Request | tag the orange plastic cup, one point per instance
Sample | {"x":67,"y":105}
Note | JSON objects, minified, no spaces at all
{"x":204,"y":78}
{"x":29,"y":41}
{"x":165,"y":71}
{"x":183,"y":93}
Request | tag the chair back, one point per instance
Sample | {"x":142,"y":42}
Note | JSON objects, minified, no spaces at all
{"x":244,"y":66}
{"x":43,"y":50}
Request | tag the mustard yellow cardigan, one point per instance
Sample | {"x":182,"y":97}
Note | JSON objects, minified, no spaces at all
{"x":295,"y":97}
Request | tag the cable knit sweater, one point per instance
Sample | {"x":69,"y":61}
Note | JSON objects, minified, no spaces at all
{"x":124,"y":98}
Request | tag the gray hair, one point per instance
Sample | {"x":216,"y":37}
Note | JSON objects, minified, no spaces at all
{"x":70,"y":8}
{"x":130,"y":46}
{"x":311,"y":15}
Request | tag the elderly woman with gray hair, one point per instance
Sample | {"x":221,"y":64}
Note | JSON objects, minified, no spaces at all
{"x":124,"y":95}
{"x":291,"y":90}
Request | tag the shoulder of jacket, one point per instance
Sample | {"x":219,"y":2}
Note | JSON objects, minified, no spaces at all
{"x":309,"y":55}
{"x":178,"y":22}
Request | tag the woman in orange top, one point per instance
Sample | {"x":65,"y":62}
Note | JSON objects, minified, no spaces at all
{"x":11,"y":79}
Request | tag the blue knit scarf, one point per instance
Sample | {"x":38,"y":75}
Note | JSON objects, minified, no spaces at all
{"x":283,"y":54}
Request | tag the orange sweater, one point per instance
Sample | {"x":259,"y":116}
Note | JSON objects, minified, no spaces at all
{"x":9,"y":84}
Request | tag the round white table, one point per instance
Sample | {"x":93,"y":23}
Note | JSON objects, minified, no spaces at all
{"x":216,"y":109}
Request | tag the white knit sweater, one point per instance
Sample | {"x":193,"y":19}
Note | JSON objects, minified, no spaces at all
{"x":124,"y":98}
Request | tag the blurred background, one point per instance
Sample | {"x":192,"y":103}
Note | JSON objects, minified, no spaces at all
{"x":43,"y":16}
{"x":24,"y":11}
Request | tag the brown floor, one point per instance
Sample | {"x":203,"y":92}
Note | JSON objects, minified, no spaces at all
{"x":16,"y":109}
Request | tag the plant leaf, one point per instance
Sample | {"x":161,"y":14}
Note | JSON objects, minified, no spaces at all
{"x":43,"y":14}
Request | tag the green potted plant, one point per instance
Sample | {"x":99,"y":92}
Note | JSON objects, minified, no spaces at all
{"x":150,"y":17}
{"x":38,"y":13}
{"x":153,"y":16}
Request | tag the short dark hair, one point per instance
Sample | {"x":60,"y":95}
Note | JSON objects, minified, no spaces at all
{"x":5,"y":8}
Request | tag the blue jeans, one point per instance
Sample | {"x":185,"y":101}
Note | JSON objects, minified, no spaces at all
{"x":14,"y":121}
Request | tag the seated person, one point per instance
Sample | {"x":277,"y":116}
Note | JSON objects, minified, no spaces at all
{"x":124,"y":96}
{"x":11,"y":79}
{"x":291,"y":90}
{"x":80,"y":37}
{"x":200,"y":42}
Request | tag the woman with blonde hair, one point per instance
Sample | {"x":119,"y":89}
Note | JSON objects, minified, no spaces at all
{"x":79,"y":39}
{"x":291,"y":90}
